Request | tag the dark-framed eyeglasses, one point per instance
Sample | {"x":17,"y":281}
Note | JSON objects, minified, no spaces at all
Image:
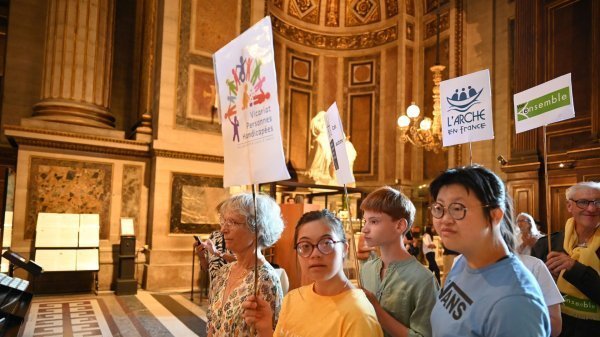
{"x":456,"y":210}
{"x":584,"y":203}
{"x":326,"y":246}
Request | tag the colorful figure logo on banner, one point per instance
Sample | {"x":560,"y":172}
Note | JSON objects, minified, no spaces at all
{"x":245,"y":91}
{"x":464,"y":100}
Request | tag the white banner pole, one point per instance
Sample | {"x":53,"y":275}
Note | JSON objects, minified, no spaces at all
{"x":547,"y":187}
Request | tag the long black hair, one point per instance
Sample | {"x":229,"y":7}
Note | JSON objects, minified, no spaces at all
{"x":488,"y":188}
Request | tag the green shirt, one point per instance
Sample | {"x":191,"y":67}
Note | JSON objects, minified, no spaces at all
{"x":407,"y":292}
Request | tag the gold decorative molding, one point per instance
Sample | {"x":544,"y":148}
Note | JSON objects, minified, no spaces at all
{"x":278,"y":3}
{"x":362,"y":12}
{"x":410,"y":31}
{"x":430,"y":27}
{"x":305,"y":10}
{"x":410,"y":7}
{"x":336,"y":42}
{"x":187,"y":156}
{"x":458,"y":34}
{"x":391,"y":8}
{"x":332,"y":13}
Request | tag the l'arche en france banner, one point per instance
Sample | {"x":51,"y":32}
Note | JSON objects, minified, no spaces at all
{"x":466,"y":103}
{"x":249,"y":109}
{"x":544,"y":104}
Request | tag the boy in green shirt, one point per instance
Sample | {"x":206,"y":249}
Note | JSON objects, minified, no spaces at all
{"x":400,"y":288}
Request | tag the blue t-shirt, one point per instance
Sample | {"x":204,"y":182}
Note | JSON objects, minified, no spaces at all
{"x":502,"y":299}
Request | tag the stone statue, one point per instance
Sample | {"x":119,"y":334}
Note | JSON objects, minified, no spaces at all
{"x":320,"y":169}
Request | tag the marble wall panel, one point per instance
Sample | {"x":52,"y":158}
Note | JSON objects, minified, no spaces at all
{"x":68,"y":186}
{"x":204,"y":27}
{"x":131,"y":193}
{"x":209,"y":34}
{"x":194,"y":199}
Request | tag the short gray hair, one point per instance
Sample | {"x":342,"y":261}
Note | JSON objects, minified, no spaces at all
{"x":584,"y":185}
{"x":270,"y":223}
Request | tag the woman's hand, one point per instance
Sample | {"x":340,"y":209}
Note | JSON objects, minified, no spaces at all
{"x":200,"y":248}
{"x":210,"y":246}
{"x":258,"y":313}
{"x":529,"y":240}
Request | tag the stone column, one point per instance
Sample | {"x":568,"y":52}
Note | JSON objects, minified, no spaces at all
{"x":78,"y":63}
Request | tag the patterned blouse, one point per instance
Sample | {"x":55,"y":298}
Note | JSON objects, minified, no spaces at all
{"x":225,"y":316}
{"x":215,"y":262}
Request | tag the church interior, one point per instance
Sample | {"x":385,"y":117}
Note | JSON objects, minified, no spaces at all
{"x":109,"y":107}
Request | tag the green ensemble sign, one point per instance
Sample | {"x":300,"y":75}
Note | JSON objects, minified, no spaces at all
{"x":543,"y":104}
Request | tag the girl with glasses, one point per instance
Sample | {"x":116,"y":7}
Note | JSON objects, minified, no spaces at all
{"x":331,"y":306}
{"x":488,"y":291}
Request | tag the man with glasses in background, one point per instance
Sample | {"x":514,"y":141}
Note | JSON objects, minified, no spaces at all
{"x":575,"y":260}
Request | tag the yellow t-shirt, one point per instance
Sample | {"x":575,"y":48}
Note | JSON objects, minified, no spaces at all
{"x":305,"y":313}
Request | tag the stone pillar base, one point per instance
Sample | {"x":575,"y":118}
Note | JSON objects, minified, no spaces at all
{"x":73,"y":113}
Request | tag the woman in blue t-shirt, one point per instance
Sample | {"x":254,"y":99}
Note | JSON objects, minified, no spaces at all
{"x":488,"y":292}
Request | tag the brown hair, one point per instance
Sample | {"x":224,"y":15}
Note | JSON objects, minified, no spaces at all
{"x":391,"y":202}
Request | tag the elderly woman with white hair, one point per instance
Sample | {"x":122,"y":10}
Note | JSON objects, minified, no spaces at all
{"x":529,"y":233}
{"x":235,"y":281}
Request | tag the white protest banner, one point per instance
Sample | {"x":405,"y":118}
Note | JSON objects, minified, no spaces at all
{"x":544,"y":104}
{"x":247,"y":86}
{"x":467,"y":108}
{"x":337,"y":143}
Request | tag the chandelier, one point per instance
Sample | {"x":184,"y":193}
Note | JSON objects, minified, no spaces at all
{"x":423,"y":131}
{"x":428,"y":134}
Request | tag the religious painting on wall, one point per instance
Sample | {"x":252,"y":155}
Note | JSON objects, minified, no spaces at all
{"x":202,"y":95}
{"x":194,"y":199}
{"x":71,"y":187}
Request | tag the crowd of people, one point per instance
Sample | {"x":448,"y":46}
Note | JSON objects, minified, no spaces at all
{"x":504,"y":280}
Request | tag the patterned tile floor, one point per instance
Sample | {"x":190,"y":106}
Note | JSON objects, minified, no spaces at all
{"x":145,"y":314}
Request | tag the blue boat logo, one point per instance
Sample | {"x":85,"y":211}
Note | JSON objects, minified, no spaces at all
{"x":464,"y":100}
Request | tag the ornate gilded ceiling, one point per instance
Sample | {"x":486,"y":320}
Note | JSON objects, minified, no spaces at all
{"x":324,"y":23}
{"x":337,"y":13}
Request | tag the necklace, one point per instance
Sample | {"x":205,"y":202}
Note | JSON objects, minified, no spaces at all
{"x":584,"y":243}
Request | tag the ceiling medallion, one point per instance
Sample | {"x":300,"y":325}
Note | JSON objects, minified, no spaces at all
{"x":363,"y":9}
{"x":300,"y":8}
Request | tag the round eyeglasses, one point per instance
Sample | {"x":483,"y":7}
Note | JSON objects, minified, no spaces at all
{"x":456,"y":210}
{"x":325,"y":246}
{"x":584,"y":203}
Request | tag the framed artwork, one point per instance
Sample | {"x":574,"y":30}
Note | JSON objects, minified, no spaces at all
{"x":202,"y":95}
{"x":194,"y":199}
